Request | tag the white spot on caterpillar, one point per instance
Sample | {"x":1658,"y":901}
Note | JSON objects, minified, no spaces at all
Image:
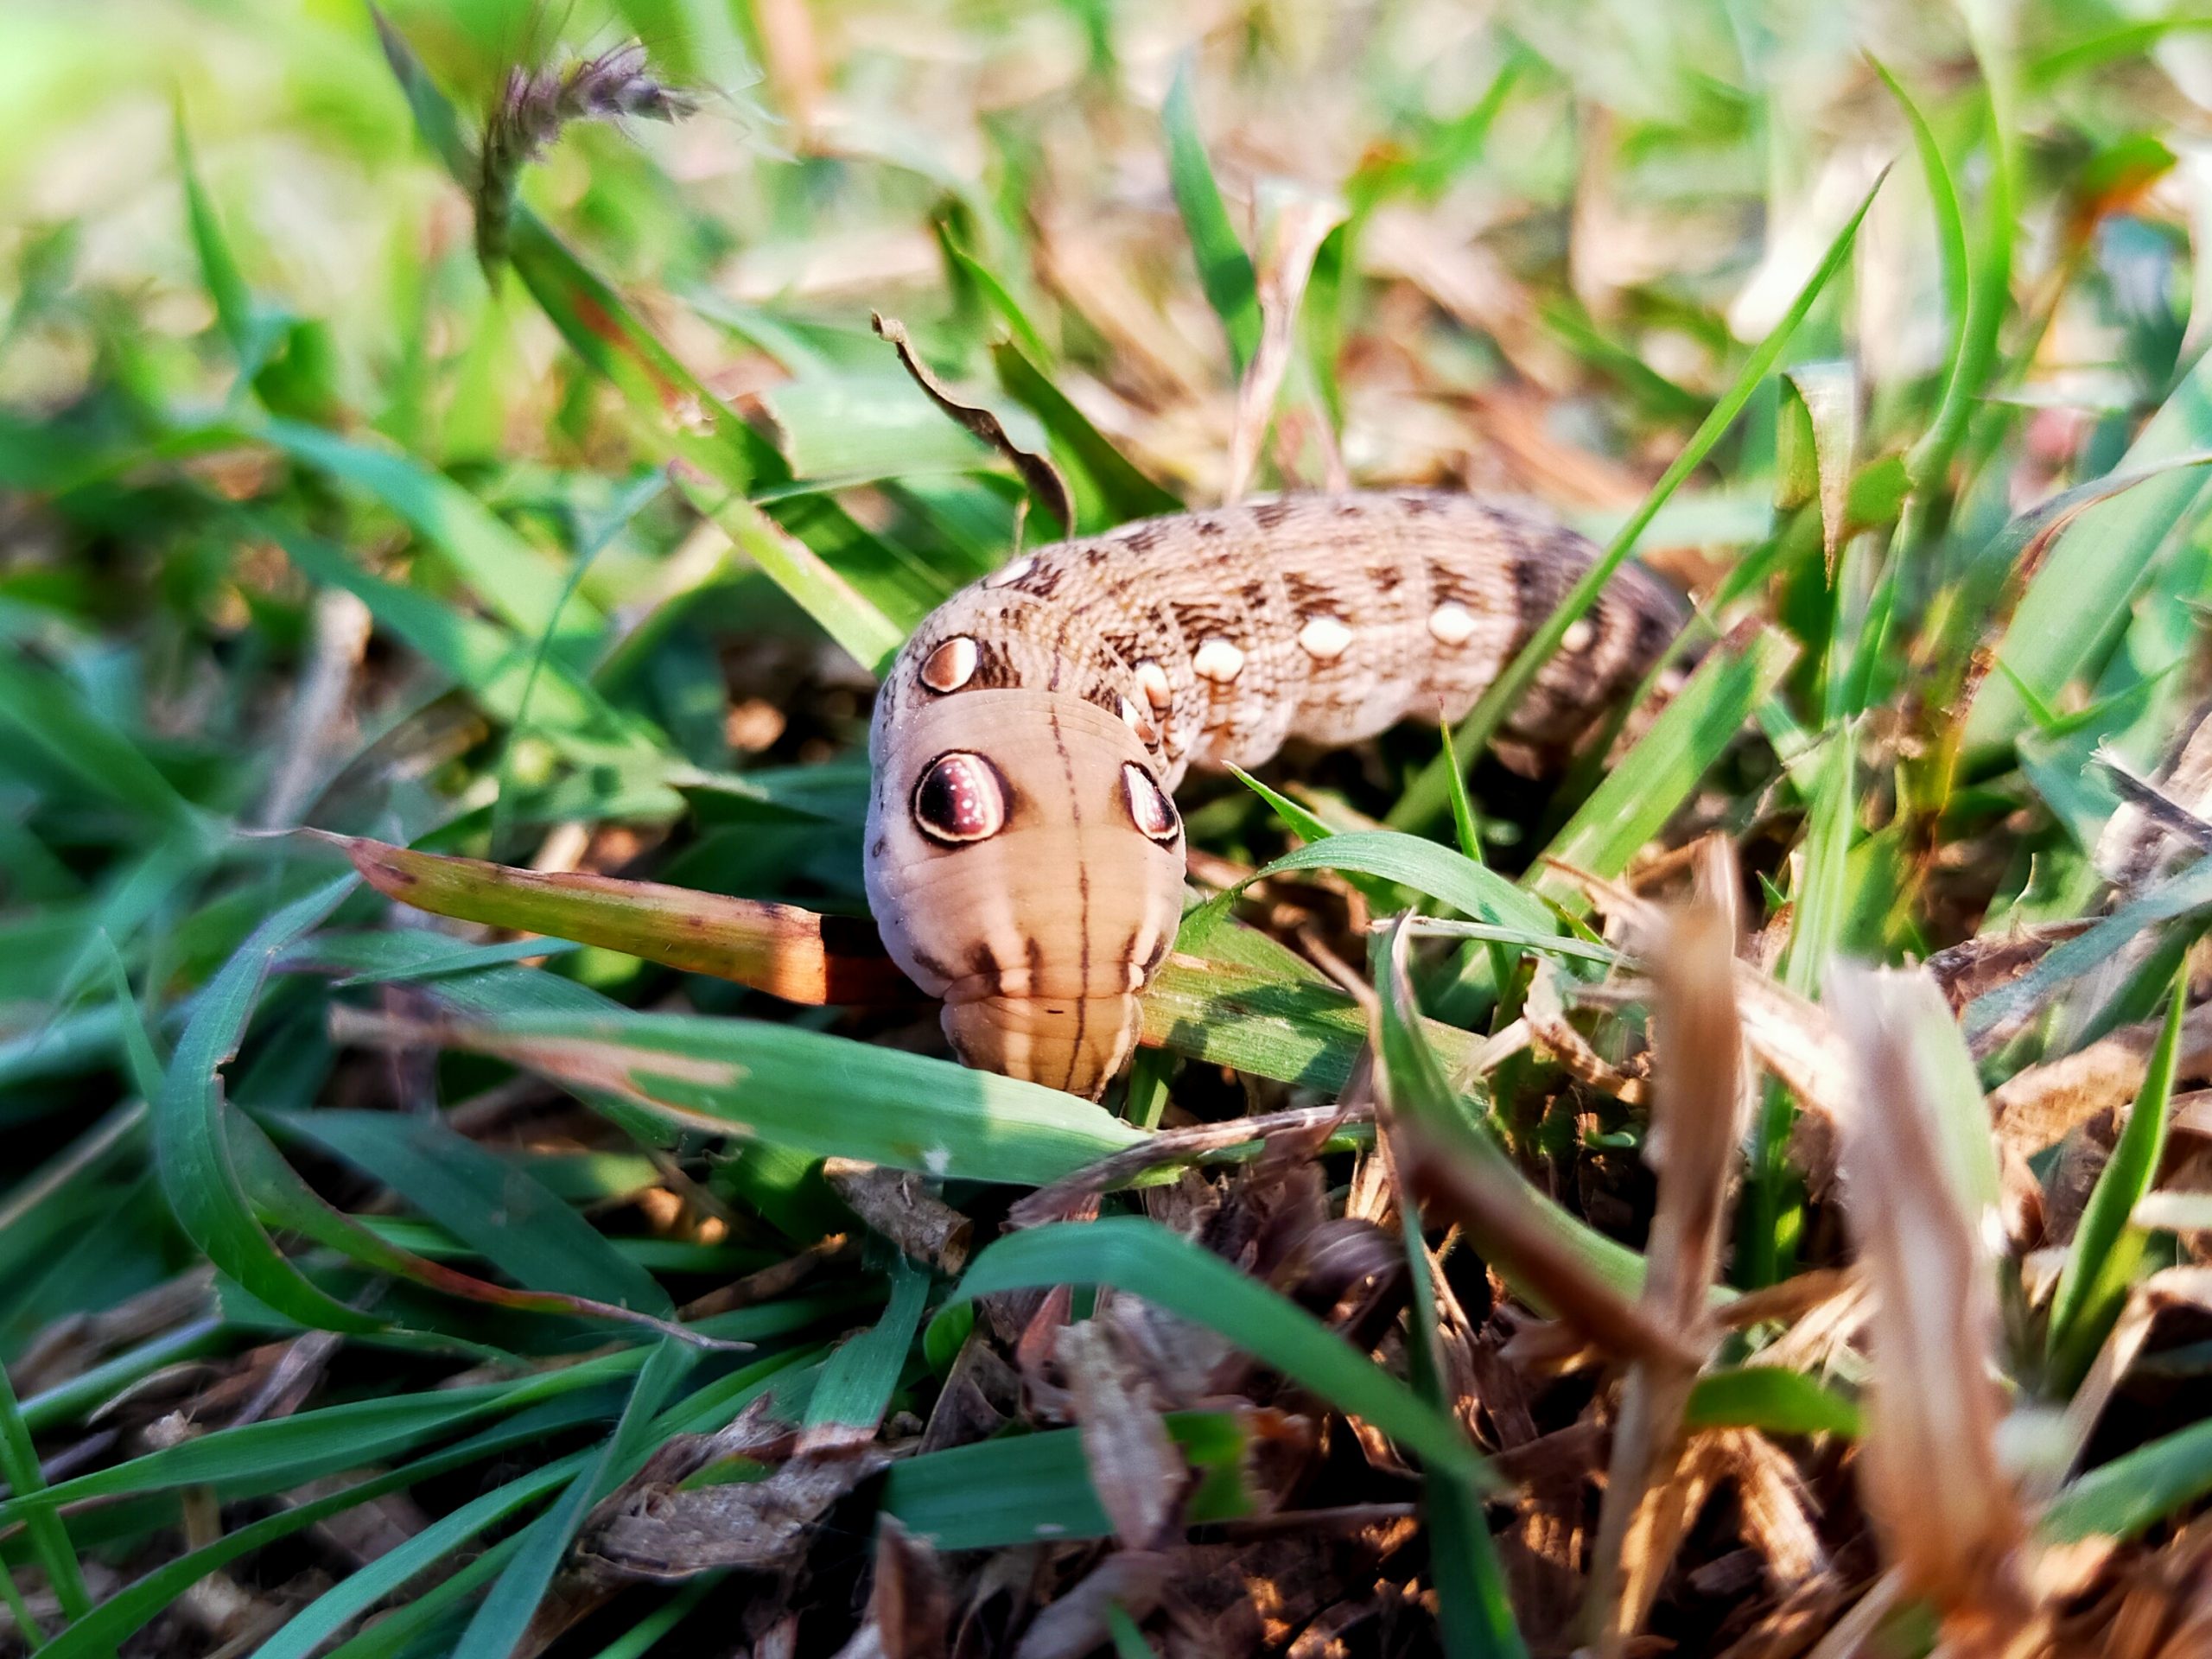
{"x":937,"y":1160}
{"x":1139,"y":721}
{"x":951,"y":665}
{"x":1013,"y":573}
{"x":1149,"y":808}
{"x":1451,"y":624}
{"x":1217,"y":659}
{"x":1151,"y":680}
{"x":1580,"y":632}
{"x":1323,"y":639}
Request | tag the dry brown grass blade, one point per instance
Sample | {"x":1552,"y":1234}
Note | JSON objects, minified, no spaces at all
{"x":1930,"y":1474}
{"x":1293,"y":235}
{"x":1135,"y":1468}
{"x":1698,"y":1087}
{"x":783,"y":950}
{"x":1045,"y":485}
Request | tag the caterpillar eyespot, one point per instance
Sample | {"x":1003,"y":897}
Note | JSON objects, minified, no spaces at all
{"x":1149,"y":808}
{"x":961,"y":798}
{"x":1090,"y":675}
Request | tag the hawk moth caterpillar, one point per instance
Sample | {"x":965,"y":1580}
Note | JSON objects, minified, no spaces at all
{"x":1025,"y":859}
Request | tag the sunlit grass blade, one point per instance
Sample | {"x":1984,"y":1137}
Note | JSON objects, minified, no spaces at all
{"x":1125,"y":492}
{"x":2084,"y":584}
{"x":780,"y":949}
{"x":809,"y":1091}
{"x":1224,"y":268}
{"x":1655,"y":777}
{"x":1427,"y":794}
{"x":1558,"y":1262}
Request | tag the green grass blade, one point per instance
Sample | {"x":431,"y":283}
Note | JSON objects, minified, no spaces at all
{"x":1026,"y":1489}
{"x":503,"y":1617}
{"x":859,"y":1379}
{"x":2108,"y":1251}
{"x":1125,"y":491}
{"x":192,"y":1147}
{"x":1224,"y":269}
{"x":1655,"y":777}
{"x":1144,"y":1259}
{"x":302,"y":1635}
{"x":2083,"y":587}
{"x":1428,"y":795}
{"x":509,"y":578}
{"x":1771,"y":1399}
{"x":45,"y":709}
{"x":2135,"y":1490}
{"x":494,"y":1206}
{"x":814,"y":1093}
{"x":26,"y":1488}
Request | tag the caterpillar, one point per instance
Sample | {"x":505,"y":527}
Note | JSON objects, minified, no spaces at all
{"x":1025,"y":859}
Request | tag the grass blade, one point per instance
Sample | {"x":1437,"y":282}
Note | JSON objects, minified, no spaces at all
{"x":2107,"y":1250}
{"x":1224,"y":269}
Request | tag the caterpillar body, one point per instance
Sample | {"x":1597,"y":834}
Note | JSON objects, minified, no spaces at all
{"x":1025,"y":860}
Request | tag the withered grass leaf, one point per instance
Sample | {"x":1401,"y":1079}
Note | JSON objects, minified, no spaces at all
{"x":909,"y":1602}
{"x":1139,"y":1477}
{"x":1075,"y":1623}
{"x":1293,"y":235}
{"x":666,"y":1523}
{"x":898,"y":1205}
{"x":1045,"y":485}
{"x":1928,"y":1472}
{"x":1652,"y":1493}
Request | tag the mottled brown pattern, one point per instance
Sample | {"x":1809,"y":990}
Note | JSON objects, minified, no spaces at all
{"x":1060,"y":918}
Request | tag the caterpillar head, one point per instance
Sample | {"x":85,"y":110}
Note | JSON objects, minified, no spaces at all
{"x":1026,"y":865}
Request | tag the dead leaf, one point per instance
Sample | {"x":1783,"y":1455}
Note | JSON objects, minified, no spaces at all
{"x":1139,"y":1477}
{"x":898,"y":1204}
{"x":1046,"y":488}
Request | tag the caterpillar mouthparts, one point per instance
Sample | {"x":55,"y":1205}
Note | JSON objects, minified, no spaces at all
{"x":1025,"y":859}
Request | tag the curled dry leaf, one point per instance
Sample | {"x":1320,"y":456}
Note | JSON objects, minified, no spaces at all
{"x":2039,"y":1105}
{"x":1045,"y":485}
{"x":664,"y":1524}
{"x":1929,"y":1472}
{"x":899,"y":1205}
